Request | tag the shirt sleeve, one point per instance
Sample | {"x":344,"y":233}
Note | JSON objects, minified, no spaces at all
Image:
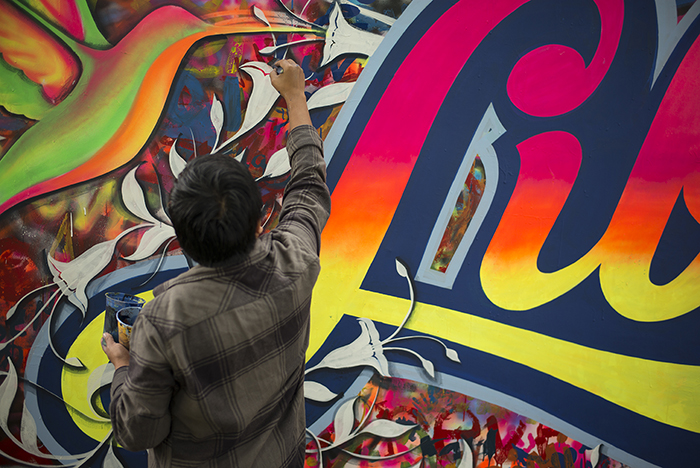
{"x":307,"y":201}
{"x":141,"y":392}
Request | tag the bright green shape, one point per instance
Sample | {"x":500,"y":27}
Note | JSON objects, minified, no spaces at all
{"x":19,"y":95}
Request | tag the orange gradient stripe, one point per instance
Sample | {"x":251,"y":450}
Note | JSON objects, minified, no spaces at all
{"x":370,"y":188}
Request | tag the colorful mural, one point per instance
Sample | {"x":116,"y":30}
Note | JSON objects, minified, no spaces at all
{"x":511,"y":271}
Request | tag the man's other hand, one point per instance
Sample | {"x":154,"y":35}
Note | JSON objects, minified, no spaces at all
{"x":117,"y":353}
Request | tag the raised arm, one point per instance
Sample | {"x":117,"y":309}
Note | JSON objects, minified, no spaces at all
{"x":290,"y":85}
{"x":307,"y":203}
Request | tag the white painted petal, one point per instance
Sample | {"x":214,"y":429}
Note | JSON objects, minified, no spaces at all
{"x":331,"y":95}
{"x":401,"y":269}
{"x":427,"y":365}
{"x":269,"y":50}
{"x":8,"y":390}
{"x":259,"y":14}
{"x":151,"y":241}
{"x":111,"y":461}
{"x":344,"y":422}
{"x":341,"y":38}
{"x":317,"y":392}
{"x":75,"y":363}
{"x":28,"y":431}
{"x":366,"y":350}
{"x":452,"y":355}
{"x":595,"y":455}
{"x":240,"y":157}
{"x":277,"y":165}
{"x":133,"y":197}
{"x":467,"y":460}
{"x":386,"y":428}
{"x":217,"y":117}
{"x":11,"y":312}
{"x":72,"y":277}
{"x":262,"y":99}
{"x":177,"y":162}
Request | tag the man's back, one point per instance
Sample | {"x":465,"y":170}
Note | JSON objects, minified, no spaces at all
{"x":235,"y":338}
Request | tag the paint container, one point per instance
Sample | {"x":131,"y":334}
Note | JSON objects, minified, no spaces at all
{"x":125,"y":322}
{"x":115,"y":302}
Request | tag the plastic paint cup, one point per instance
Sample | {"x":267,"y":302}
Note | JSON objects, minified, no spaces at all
{"x":125,"y":322}
{"x":115,"y":302}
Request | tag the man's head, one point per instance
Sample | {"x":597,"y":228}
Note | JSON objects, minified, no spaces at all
{"x":215,"y":209}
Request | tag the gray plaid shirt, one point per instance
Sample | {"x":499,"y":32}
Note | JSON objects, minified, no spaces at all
{"x":217,"y":357}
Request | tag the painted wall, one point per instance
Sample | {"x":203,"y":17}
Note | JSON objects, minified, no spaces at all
{"x":510,"y":275}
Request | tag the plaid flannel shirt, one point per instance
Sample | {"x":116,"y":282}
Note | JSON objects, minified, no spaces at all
{"x":217,"y":357}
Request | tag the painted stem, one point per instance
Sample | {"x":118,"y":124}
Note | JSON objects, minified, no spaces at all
{"x":318,"y":444}
{"x":53,"y":296}
{"x":410,"y":308}
{"x":14,"y":308}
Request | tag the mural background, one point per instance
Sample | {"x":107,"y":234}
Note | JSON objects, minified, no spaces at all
{"x":511,"y":270}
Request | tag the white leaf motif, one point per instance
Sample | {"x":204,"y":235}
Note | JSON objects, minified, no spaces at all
{"x":151,"y":241}
{"x":317,"y":392}
{"x":341,"y":38}
{"x":467,"y":460}
{"x":217,"y":117}
{"x":72,"y":277}
{"x":401,"y":269}
{"x":344,"y":422}
{"x":330,"y":95}
{"x":8,"y":390}
{"x":111,"y":460}
{"x":259,"y":14}
{"x":262,"y":99}
{"x":277,"y":165}
{"x":28,"y":431}
{"x":366,"y":350}
{"x":595,"y":456}
{"x":12,"y":311}
{"x":386,"y":428}
{"x":427,"y":365}
{"x":452,"y":355}
{"x":177,"y":162}
{"x":75,"y":362}
{"x":269,"y":50}
{"x":133,"y":197}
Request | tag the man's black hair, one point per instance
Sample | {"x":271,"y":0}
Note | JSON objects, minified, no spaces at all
{"x":215,"y":209}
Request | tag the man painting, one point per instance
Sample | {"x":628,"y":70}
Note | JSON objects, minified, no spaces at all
{"x":214,"y":376}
